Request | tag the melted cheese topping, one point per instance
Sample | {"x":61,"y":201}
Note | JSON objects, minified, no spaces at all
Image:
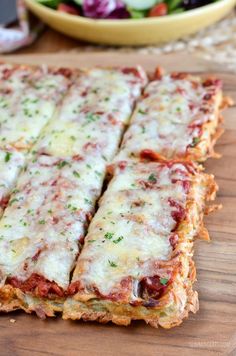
{"x":130,"y":232}
{"x":169,"y":117}
{"x":28,"y":98}
{"x":11,"y":162}
{"x":48,"y":213}
{"x":27,"y":102}
{"x":93,"y":114}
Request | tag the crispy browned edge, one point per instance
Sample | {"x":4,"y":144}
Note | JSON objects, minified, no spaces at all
{"x":205,"y":148}
{"x":122,"y":314}
{"x":13,"y":299}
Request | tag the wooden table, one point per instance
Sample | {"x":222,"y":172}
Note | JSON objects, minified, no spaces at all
{"x":212,"y":331}
{"x":50,"y":41}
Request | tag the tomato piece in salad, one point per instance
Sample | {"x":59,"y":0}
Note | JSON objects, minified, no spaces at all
{"x":68,"y":9}
{"x":158,"y":10}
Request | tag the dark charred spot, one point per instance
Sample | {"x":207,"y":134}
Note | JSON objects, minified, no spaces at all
{"x":66,"y":72}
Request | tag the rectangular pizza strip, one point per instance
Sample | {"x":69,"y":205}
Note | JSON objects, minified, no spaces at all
{"x":136,"y":262}
{"x":43,"y":228}
{"x":28,"y":99}
{"x":94,"y":114}
{"x":177,"y":117}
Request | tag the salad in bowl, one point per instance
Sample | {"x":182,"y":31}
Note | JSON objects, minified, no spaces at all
{"x":123,"y":9}
{"x":129,"y":22}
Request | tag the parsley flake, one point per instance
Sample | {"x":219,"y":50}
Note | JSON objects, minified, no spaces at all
{"x":61,"y":164}
{"x":76,"y":174}
{"x":109,"y":235}
{"x":142,"y":112}
{"x":42,"y":222}
{"x":152,"y":178}
{"x":13,"y":201}
{"x":120,"y":238}
{"x":164,"y":281}
{"x":112,"y":264}
{"x":8,"y":156}
{"x":195,"y":141}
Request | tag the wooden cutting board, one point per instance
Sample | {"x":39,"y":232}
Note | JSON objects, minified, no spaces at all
{"x":212,"y":331}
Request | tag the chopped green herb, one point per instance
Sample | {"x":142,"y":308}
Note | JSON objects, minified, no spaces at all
{"x":195,"y":141}
{"x":120,"y":238}
{"x":71,"y":207}
{"x":152,"y":178}
{"x":42,"y":222}
{"x":87,"y":201}
{"x":14,"y":191}
{"x":142,"y":112}
{"x":92,"y":117}
{"x":112,"y":264}
{"x":8,"y":156}
{"x":27,"y":112}
{"x":76,"y":174}
{"x":50,"y":211}
{"x":164,"y":281}
{"x":109,"y":235}
{"x":91,"y":241}
{"x":105,"y":159}
{"x":98,"y":173}
{"x":73,"y":138}
{"x":13,"y":201}
{"x":61,"y":164}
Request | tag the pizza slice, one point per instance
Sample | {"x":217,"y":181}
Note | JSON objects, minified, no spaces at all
{"x":94,"y":114}
{"x":43,"y":227}
{"x":136,"y":262}
{"x":177,"y":117}
{"x":28,"y":99}
{"x":42,"y":230}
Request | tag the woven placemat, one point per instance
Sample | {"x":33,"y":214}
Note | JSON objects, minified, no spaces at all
{"x":216,"y":43}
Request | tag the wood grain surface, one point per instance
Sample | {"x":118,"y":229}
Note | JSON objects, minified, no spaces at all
{"x":212,"y":331}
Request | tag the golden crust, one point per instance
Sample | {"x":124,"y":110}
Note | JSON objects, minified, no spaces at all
{"x":179,"y":299}
{"x":123,"y":315}
{"x":211,"y":132}
{"x":13,"y":298}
